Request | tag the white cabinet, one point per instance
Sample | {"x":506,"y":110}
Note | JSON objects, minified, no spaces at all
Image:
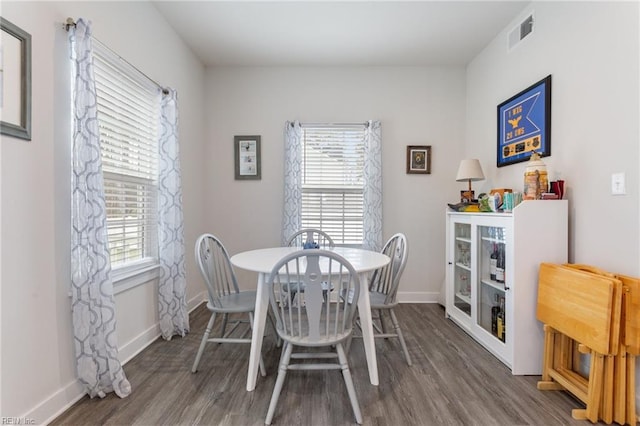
{"x":535,"y":232}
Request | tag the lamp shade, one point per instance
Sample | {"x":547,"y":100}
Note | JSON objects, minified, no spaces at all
{"x":469,"y":170}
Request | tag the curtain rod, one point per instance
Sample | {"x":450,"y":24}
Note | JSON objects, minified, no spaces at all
{"x":71,"y":23}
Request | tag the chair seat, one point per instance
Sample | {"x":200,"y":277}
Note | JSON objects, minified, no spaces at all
{"x":245,"y":301}
{"x":377,"y":301}
{"x":306,"y":341}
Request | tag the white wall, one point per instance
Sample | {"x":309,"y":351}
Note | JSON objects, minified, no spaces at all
{"x":417,"y":106}
{"x":592,"y":50}
{"x":38,"y":372}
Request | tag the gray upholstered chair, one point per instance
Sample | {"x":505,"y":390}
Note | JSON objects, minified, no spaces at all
{"x":383,"y":288}
{"x":224,"y":296}
{"x":314,"y":322}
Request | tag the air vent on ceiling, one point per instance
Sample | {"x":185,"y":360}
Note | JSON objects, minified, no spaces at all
{"x":520,"y":32}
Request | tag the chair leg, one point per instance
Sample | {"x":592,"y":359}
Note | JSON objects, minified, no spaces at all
{"x":396,"y":326}
{"x":225,"y":319}
{"x":282,"y":373}
{"x":347,"y":344}
{"x":271,"y":315}
{"x":348,"y":381}
{"x":263,"y":370}
{"x":383,"y":327}
{"x":203,"y":342}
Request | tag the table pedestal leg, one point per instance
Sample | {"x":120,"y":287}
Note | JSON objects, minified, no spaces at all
{"x":366,"y":323}
{"x":260,"y":318}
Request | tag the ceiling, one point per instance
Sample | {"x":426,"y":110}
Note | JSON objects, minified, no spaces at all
{"x":338,"y":33}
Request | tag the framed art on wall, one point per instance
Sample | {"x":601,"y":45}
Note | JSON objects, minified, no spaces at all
{"x":247,"y":157}
{"x":524,"y":124}
{"x":418,"y":159}
{"x":15,"y":81}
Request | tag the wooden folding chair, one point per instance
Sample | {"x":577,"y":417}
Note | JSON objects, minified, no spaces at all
{"x":618,"y":395}
{"x":625,"y":366}
{"x":586,"y":308}
{"x":608,"y":388}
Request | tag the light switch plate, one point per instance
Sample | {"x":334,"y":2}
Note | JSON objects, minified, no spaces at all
{"x":618,"y":184}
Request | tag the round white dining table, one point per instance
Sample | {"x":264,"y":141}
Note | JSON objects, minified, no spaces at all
{"x":262,"y":261}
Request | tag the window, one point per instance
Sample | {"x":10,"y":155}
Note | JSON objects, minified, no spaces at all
{"x":128,"y":119}
{"x":332,"y":181}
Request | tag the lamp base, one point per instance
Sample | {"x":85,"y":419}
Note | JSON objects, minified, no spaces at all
{"x":467,"y":196}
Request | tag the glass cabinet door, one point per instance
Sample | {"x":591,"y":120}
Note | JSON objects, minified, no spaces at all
{"x":491,"y":309}
{"x":462,"y":268}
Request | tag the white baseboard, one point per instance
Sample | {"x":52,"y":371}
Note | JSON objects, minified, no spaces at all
{"x":64,"y":398}
{"x":132,"y":348}
{"x":418,"y":297}
{"x":56,"y":404}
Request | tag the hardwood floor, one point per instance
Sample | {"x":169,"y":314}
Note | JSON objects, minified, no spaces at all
{"x":453,"y":381}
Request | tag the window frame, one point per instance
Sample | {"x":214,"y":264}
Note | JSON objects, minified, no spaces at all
{"x":129,"y":274}
{"x":348,"y":191}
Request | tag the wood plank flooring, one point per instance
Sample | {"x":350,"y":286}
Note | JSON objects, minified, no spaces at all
{"x":453,"y":381}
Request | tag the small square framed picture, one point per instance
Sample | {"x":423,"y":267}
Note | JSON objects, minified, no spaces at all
{"x":419,"y":159}
{"x":247,"y":157}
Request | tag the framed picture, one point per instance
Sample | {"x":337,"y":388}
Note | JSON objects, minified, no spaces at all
{"x":247,"y":157}
{"x":418,"y":159}
{"x":467,"y":196}
{"x":15,"y":81}
{"x":524,"y":124}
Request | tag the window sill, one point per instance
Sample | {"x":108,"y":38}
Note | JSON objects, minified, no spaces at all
{"x":126,"y":280}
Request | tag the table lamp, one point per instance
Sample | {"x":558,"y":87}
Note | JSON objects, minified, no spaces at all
{"x":469,"y":170}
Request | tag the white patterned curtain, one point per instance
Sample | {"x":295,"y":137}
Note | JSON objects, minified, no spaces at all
{"x":172,"y":305}
{"x":292,"y":209}
{"x":93,"y":305}
{"x":372,"y":197}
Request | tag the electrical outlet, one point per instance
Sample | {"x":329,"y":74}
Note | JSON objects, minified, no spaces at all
{"x":618,"y":184}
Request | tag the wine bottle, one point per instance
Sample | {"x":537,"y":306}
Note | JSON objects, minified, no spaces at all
{"x":494,"y":319}
{"x":493,"y":259}
{"x":501,"y":325}
{"x":500,"y":263}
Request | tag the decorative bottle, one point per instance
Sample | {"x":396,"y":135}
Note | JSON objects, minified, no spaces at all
{"x":536,"y":181}
{"x":500,"y":264}
{"x":502,"y":326}
{"x":495,"y":310}
{"x":493,"y":259}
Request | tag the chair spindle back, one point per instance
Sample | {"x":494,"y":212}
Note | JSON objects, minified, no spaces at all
{"x":311,"y":235}
{"x":313,"y":319}
{"x":215,"y":267}
{"x":386,"y":280}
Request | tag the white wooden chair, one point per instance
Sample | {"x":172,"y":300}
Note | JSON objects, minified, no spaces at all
{"x":314,"y":322}
{"x":383,"y":288}
{"x":311,"y":238}
{"x":224,"y":296}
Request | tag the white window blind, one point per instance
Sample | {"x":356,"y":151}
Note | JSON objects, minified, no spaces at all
{"x":128,"y":119}
{"x":332,"y":181}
